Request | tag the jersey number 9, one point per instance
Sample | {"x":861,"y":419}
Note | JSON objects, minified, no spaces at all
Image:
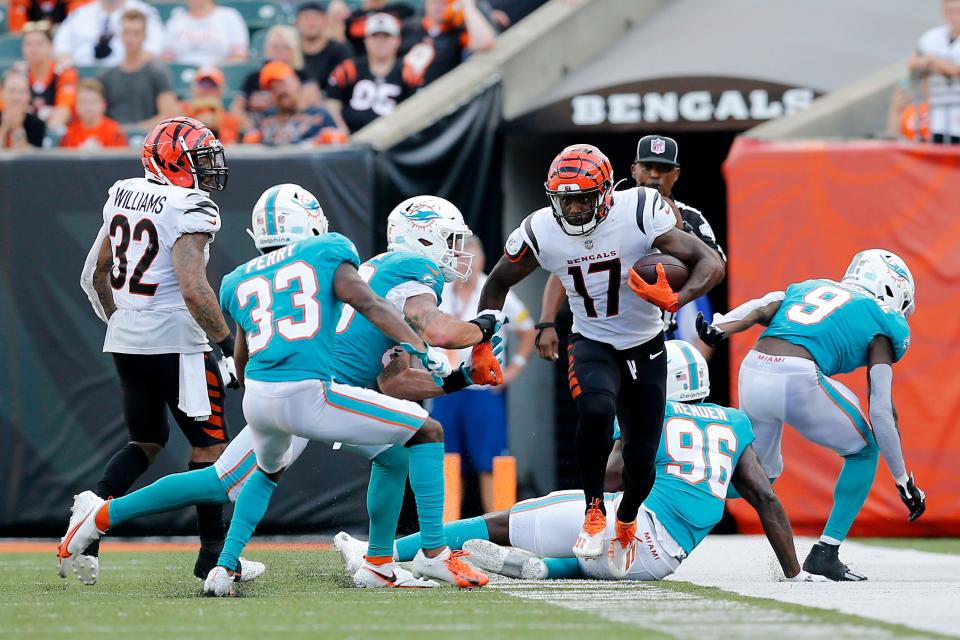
{"x":824,"y":300}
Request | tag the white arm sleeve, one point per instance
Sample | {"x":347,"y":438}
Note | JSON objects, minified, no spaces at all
{"x":86,"y":276}
{"x":399,"y":295}
{"x":884,"y":425}
{"x":746,"y":308}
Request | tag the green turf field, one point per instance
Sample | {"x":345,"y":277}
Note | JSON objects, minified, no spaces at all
{"x":305,"y":595}
{"x":933,"y":545}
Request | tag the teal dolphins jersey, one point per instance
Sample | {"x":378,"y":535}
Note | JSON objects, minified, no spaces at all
{"x":836,"y":322}
{"x":285,"y":305}
{"x":699,"y":449}
{"x":395,"y":276}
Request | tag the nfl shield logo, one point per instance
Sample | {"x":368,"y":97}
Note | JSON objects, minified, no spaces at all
{"x":657,"y":145}
{"x":588,"y":244}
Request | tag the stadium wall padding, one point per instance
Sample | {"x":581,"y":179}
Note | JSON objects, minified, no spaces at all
{"x":800,"y":210}
{"x":60,"y":405}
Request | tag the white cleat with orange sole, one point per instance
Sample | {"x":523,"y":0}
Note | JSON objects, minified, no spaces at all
{"x":623,"y":549}
{"x":589,"y":544}
{"x":351,"y":551}
{"x":388,"y":576}
{"x":81,"y":531}
{"x":450,"y":567}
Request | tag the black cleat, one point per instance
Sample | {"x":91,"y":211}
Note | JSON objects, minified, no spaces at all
{"x":824,"y":560}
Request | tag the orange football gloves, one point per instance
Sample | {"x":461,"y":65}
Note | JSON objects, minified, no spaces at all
{"x":484,"y":365}
{"x":660,"y":294}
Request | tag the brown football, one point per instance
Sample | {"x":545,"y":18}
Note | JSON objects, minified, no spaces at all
{"x":677,"y":272}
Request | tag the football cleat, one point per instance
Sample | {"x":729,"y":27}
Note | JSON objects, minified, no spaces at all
{"x":219,"y":583}
{"x":623,"y":549}
{"x":589,"y":543}
{"x":824,"y":560}
{"x":351,"y":551}
{"x":388,"y":576}
{"x":249,"y":570}
{"x":505,"y":561}
{"x":450,"y":567}
{"x":81,"y":531}
{"x":87,"y":568}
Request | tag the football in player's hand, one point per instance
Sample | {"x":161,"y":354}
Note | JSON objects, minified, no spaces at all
{"x":675,"y":270}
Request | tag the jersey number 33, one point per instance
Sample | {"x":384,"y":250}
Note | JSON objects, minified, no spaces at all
{"x":268,"y":302}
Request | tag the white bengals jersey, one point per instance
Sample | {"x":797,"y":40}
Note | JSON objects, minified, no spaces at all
{"x":595,"y":268}
{"x":142,"y":220}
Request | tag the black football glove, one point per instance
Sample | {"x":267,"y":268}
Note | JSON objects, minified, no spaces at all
{"x":228,"y":368}
{"x":913,"y":498}
{"x":489,"y":321}
{"x":711,"y":335}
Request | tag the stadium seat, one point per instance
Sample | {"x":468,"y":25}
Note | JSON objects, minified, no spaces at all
{"x":166,"y":8}
{"x":235,"y":74}
{"x":259,"y":14}
{"x":89,"y":72}
{"x":257,"y":40}
{"x":10,"y":46}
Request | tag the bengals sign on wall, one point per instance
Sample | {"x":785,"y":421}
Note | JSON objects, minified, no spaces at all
{"x":690,"y":103}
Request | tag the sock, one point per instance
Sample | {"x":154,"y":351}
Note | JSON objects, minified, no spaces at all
{"x":252,"y":503}
{"x":123,"y":469}
{"x":388,"y":482}
{"x":563,"y":568}
{"x":210,"y":525}
{"x":426,"y":480}
{"x":168,"y":493}
{"x":378,"y":561}
{"x":593,"y":442}
{"x":833,"y":542}
{"x":853,"y":485}
{"x":456,"y":533}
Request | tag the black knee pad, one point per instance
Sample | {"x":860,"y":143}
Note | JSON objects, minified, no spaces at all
{"x":596,"y":407}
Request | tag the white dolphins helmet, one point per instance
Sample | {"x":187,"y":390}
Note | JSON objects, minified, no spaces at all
{"x":284,"y":214}
{"x":433,"y":228}
{"x":688,"y":377}
{"x":885,"y":275}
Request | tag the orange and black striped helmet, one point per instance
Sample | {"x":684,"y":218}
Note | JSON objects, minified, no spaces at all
{"x":183,"y":152}
{"x":580,"y":171}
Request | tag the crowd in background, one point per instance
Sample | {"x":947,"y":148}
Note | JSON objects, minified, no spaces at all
{"x":100,"y":73}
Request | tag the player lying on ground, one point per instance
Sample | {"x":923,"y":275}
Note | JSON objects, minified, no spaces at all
{"x":410,"y":276}
{"x":704,"y":448}
{"x":816,"y":329}
{"x":146,"y":278}
{"x":589,"y":237}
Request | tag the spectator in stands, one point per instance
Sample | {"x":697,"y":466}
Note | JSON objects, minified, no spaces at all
{"x":19,"y":129}
{"x":509,"y":12}
{"x":938,"y":58}
{"x":475,"y":419}
{"x":206,"y":105}
{"x":289,"y":121}
{"x":439,"y":40}
{"x":53,"y":85}
{"x":206,"y":34}
{"x":361,"y":91}
{"x":91,"y":34}
{"x":20,"y":12}
{"x":92,"y":129}
{"x":320,"y":54}
{"x":138,"y":91}
{"x":354,"y":27}
{"x":282,"y":44}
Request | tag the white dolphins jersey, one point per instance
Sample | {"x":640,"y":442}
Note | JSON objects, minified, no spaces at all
{"x":594,"y":268}
{"x":143,"y":220}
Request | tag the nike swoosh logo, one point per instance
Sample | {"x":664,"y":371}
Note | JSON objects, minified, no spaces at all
{"x":392,"y":578}
{"x":656,"y":355}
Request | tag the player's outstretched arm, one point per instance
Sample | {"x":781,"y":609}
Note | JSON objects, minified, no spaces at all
{"x":349,"y":288}
{"x":399,"y":380}
{"x":883,"y":417}
{"x":753,"y":485}
{"x":758,"y":311}
{"x":505,"y":274}
{"x":547,"y":341}
{"x":438,"y":328}
{"x":191,"y":268}
{"x":706,"y":267}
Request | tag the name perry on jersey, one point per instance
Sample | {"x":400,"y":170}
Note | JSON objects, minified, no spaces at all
{"x":272,"y":258}
{"x":139,"y":201}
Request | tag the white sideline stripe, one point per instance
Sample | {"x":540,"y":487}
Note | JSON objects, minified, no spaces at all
{"x":679,"y":615}
{"x":914,"y":588}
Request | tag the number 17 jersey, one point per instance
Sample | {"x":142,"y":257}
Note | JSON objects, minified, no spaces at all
{"x":835,"y":323}
{"x":286,"y":306}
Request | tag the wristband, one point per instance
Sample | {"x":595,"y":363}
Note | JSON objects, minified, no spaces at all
{"x":519,"y":360}
{"x":227,"y":346}
{"x":540,"y":326}
{"x":456,"y":381}
{"x":487,"y":323}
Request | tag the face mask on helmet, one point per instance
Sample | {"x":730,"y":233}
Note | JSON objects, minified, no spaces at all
{"x":210,"y":166}
{"x":433,"y":228}
{"x":577,"y":212}
{"x":884,"y":275}
{"x":285,"y":214}
{"x":688,"y":377}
